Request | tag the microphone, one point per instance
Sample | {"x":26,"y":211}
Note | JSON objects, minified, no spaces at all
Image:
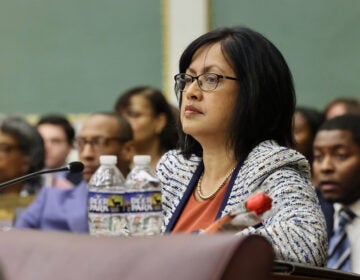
{"x":72,"y":167}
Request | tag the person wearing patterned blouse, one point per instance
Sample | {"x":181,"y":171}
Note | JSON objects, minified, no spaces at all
{"x":236,"y":100}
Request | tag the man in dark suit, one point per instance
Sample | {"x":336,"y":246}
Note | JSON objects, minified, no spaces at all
{"x":336,"y":168}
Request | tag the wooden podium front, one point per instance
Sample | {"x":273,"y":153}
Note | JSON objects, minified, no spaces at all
{"x":40,"y":255}
{"x":36,"y":255}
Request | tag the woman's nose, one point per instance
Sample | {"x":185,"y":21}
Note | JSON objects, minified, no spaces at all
{"x":193,"y":91}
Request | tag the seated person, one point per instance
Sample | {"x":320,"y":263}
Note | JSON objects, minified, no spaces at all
{"x":58,"y":209}
{"x":336,"y":169}
{"x":21,"y":152}
{"x":58,"y":135}
{"x":341,"y":106}
{"x":236,"y":100}
{"x":306,"y":124}
{"x":152,"y":119}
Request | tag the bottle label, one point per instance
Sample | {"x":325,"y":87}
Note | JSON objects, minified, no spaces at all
{"x":129,"y":202}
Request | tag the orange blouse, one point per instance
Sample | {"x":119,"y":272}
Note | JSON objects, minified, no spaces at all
{"x":199,"y":215}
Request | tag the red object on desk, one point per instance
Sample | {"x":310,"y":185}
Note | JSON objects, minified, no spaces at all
{"x":258,"y":204}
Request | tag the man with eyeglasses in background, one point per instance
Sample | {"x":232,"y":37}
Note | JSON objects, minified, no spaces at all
{"x":56,"y":209}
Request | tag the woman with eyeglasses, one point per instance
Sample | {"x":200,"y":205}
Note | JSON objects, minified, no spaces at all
{"x":236,"y":100}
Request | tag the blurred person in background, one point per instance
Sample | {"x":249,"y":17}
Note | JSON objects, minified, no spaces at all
{"x":58,"y":135}
{"x":21,"y":152}
{"x":341,"y":106}
{"x":306,"y":123}
{"x":336,"y":167}
{"x":152,"y":119}
{"x":66,"y":210}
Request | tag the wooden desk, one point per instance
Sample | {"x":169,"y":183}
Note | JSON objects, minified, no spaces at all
{"x":295,"y":271}
{"x":38,"y":255}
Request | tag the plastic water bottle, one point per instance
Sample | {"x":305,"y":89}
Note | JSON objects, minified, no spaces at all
{"x":106,"y":203}
{"x":144,"y":196}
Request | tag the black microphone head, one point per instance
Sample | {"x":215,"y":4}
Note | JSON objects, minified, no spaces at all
{"x":75,"y":167}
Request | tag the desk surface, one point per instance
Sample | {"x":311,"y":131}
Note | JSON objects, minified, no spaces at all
{"x":288,"y":270}
{"x":280,"y":276}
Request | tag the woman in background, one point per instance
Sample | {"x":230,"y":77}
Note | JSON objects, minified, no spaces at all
{"x":306,"y":123}
{"x":21,"y":152}
{"x":152,"y":119}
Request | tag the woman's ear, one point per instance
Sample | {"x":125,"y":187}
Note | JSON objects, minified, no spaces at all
{"x":160,"y":123}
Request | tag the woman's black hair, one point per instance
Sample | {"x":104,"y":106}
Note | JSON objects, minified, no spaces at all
{"x":266,"y":99}
{"x":168,"y":136}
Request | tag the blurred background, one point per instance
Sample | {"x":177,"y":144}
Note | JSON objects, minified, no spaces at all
{"x":77,"y":56}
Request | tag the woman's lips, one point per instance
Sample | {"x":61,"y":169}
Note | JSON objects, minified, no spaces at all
{"x":191,"y":110}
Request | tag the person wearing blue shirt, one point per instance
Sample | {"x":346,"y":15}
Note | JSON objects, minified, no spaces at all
{"x":59,"y":209}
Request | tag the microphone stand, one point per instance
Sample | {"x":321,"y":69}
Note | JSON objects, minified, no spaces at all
{"x":28,"y":176}
{"x":72,"y":167}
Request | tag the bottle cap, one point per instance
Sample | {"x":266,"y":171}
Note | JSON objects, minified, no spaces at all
{"x":108,"y":159}
{"x":259,"y":203}
{"x":143,"y":159}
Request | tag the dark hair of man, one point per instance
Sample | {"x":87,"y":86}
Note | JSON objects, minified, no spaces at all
{"x":348,"y":122}
{"x":62,"y":121}
{"x":352,"y":105}
{"x":125,"y":131}
{"x":266,"y":99}
{"x":30,"y":144}
{"x":168,"y":136}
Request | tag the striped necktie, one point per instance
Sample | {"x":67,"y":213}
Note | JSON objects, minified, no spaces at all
{"x":339,"y":246}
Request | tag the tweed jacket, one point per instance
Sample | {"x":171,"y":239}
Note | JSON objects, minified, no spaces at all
{"x":295,"y":224}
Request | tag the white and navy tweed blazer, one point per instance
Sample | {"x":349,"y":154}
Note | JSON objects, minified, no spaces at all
{"x":295,"y":225}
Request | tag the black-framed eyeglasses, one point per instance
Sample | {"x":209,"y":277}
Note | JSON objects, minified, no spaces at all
{"x":206,"y":81}
{"x":97,"y":143}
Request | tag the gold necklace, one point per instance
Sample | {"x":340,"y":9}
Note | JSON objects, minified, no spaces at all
{"x":199,"y":189}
